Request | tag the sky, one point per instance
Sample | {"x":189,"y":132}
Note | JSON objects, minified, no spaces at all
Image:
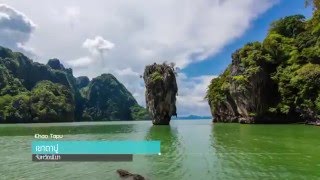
{"x":123,"y":36}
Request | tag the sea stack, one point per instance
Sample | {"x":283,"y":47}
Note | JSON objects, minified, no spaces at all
{"x":161,"y":91}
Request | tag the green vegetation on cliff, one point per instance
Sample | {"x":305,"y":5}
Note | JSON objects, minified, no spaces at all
{"x":46,"y":102}
{"x":161,"y":91}
{"x":106,"y":98}
{"x":33,"y":92}
{"x":277,"y":80}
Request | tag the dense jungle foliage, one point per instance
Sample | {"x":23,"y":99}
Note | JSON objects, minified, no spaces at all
{"x":286,"y":65}
{"x":33,"y":92}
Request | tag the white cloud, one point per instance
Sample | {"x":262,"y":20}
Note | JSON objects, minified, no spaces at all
{"x":72,"y":15}
{"x":4,"y":16}
{"x":15,"y":29}
{"x":72,"y":12}
{"x":132,"y":81}
{"x":144,"y":32}
{"x":127,"y":72}
{"x":98,"y":45}
{"x":80,"y":62}
{"x":25,"y":49}
{"x":191,"y":95}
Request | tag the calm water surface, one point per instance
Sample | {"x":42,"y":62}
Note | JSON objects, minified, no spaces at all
{"x":190,"y":150}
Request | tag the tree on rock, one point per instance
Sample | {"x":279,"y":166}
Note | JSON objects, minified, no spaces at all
{"x":161,"y":91}
{"x":51,"y":102}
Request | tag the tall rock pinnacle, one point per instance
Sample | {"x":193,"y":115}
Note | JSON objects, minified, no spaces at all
{"x":161,"y":91}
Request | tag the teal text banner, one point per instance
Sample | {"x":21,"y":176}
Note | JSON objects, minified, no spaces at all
{"x":96,"y":147}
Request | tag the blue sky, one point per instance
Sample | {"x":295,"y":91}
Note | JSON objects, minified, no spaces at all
{"x":257,"y":32}
{"x":123,"y":36}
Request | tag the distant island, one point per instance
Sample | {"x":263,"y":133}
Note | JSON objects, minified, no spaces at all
{"x":191,"y":117}
{"x":31,"y":92}
{"x":273,"y":81}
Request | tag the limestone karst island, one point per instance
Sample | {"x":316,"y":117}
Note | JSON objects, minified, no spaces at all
{"x":160,"y":90}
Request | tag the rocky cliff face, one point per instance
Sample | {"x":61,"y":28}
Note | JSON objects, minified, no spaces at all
{"x":161,"y":91}
{"x":82,"y":81}
{"x":246,"y":96}
{"x":275,"y":81}
{"x":34,"y":92}
{"x":107,"y":99}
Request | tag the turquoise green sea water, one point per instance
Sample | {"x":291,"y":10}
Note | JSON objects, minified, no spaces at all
{"x":190,"y":150}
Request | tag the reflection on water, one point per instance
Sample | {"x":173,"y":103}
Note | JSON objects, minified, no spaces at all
{"x":190,"y":150}
{"x":171,"y":152}
{"x":66,"y":130}
{"x":266,"y":151}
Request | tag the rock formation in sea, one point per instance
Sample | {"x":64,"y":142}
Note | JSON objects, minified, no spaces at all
{"x":161,"y":91}
{"x":124,"y":174}
{"x":274,"y":81}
